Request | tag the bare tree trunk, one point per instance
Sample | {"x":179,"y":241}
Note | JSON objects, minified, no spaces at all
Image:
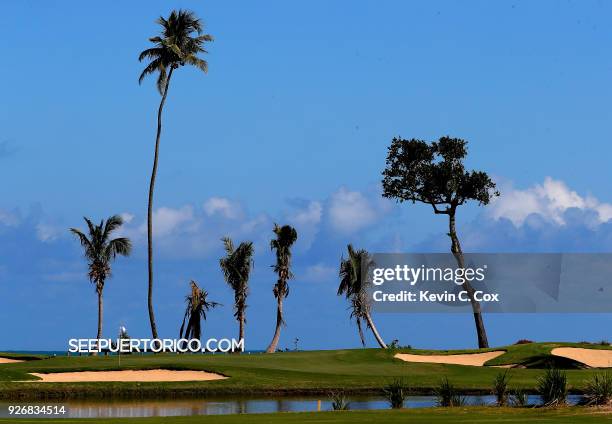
{"x":150,"y":206}
{"x":379,"y":339}
{"x":483,"y":342}
{"x":279,"y":324}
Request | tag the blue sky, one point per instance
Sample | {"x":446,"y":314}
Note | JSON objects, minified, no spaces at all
{"x":291,"y":125}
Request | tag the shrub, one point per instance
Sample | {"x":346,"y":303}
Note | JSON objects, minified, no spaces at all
{"x":339,"y":401}
{"x":500,"y":388}
{"x":552,"y":387}
{"x":604,"y":343}
{"x":396,"y":393}
{"x":598,"y":390}
{"x":523,"y":341}
{"x":448,"y":395}
{"x":518,"y":398}
{"x":394,"y":345}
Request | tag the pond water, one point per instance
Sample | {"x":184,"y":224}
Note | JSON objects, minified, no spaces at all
{"x":211,"y":406}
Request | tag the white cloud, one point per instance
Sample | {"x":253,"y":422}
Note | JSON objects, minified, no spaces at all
{"x":8,"y":218}
{"x":550,"y":200}
{"x":127,"y":217}
{"x":350,"y":211}
{"x":168,"y":220}
{"x":46,"y":232}
{"x":308,"y":216}
{"x":190,"y":232}
{"x":223,"y":207}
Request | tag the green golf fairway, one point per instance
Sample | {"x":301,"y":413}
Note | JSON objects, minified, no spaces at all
{"x":310,"y":372}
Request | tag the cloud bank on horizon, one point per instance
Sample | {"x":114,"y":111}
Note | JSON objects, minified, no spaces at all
{"x":550,"y":205}
{"x":549,"y":200}
{"x":549,"y":215}
{"x":37,"y":254}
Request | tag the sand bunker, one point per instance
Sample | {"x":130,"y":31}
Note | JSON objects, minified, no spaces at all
{"x":8,"y":361}
{"x":596,"y":358}
{"x":128,"y":375}
{"x":473,"y":359}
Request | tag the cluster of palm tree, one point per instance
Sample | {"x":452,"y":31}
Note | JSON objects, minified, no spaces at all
{"x":408,"y":176}
{"x":101,"y":249}
{"x":180,"y":42}
{"x":236,"y":266}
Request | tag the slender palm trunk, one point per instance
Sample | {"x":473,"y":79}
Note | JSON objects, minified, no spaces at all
{"x":379,"y":339}
{"x":481,"y":332}
{"x":150,"y":206}
{"x":279,"y":324}
{"x":241,"y":325}
{"x":360,"y":329}
{"x":100,"y":315}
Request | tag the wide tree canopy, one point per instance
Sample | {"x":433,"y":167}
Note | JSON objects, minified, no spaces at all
{"x":434,"y":173}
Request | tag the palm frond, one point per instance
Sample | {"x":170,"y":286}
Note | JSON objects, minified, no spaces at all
{"x":82,"y":238}
{"x":197,"y":305}
{"x":119,"y":246}
{"x":180,"y":42}
{"x":100,"y":250}
{"x":201,"y":64}
{"x":152,"y":53}
{"x":150,"y":69}
{"x":236,"y":267}
{"x":111,"y":225}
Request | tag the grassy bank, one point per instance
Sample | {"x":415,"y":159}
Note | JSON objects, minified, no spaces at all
{"x":416,"y":416}
{"x":312,"y":372}
{"x":530,"y":355}
{"x":23,"y":356}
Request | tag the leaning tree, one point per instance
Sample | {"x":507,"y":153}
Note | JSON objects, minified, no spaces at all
{"x":285,"y":237}
{"x":180,"y":42}
{"x":434,"y":174}
{"x":353,"y":285}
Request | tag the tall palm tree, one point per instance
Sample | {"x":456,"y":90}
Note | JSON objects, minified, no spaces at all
{"x":285,"y":237}
{"x":180,"y":42}
{"x":236,"y":267}
{"x":354,"y":286}
{"x":100,"y":251}
{"x":197,"y":307}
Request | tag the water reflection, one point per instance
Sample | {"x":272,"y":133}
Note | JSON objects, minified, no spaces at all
{"x":221,"y":406}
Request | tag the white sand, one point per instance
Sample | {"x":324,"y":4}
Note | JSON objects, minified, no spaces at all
{"x":473,"y":359}
{"x":8,"y":361}
{"x":127,"y":375}
{"x":596,"y":358}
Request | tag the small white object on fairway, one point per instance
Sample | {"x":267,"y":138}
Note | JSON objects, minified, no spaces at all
{"x":127,"y":376}
{"x":8,"y":361}
{"x":596,"y":358}
{"x":472,"y":359}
